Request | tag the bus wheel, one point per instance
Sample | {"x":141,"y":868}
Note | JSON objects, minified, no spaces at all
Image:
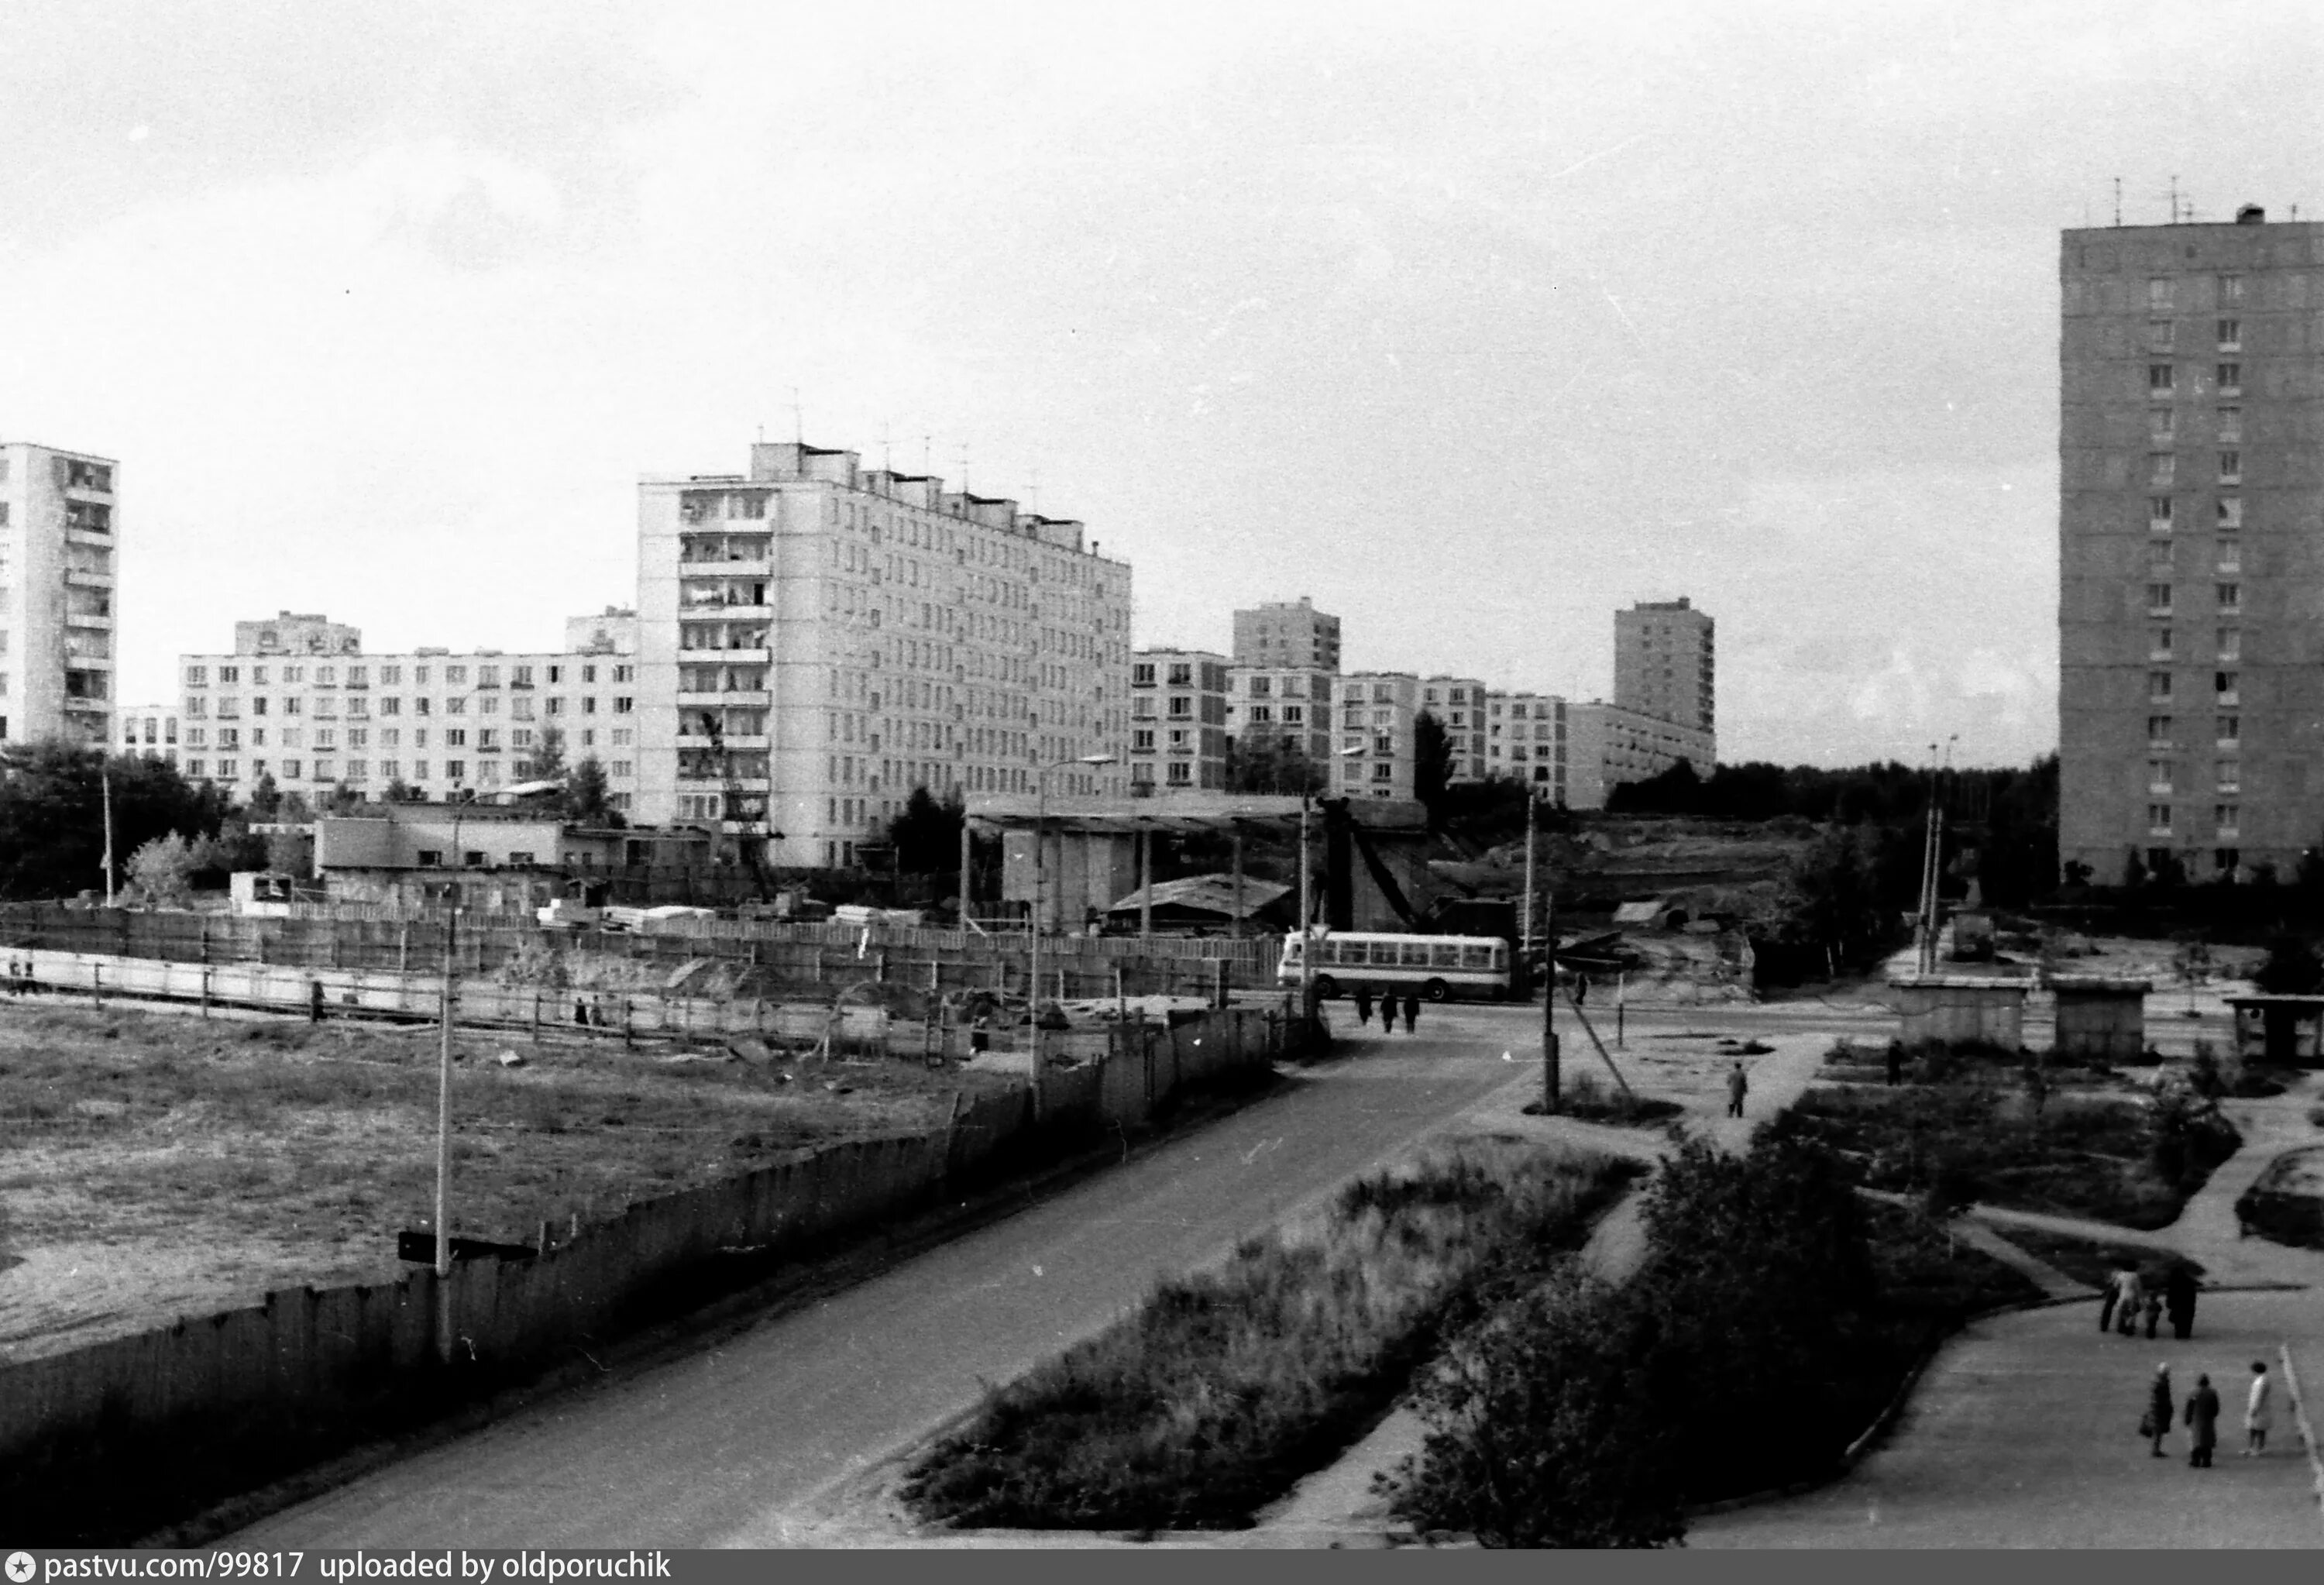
{"x":1436,"y":991}
{"x":1327,"y":988}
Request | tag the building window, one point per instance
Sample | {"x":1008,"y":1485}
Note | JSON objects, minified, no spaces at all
{"x":2158,"y":599}
{"x":2158,"y":819}
{"x":2229,"y":818}
{"x":2231,"y":596}
{"x":2230,"y":778}
{"x":2231,"y":512}
{"x":2231,"y":468}
{"x":2231,"y":643}
{"x":2230,"y":729}
{"x":2231,"y":379}
{"x":2158,"y":513}
{"x":2161,"y":426}
{"x":2231,"y":426}
{"x":2158,"y":776}
{"x":2158,"y":730}
{"x":1141,"y":675}
{"x":2231,"y":555}
{"x":2231,"y":289}
{"x":2158,"y":294}
{"x":1142,"y":741}
{"x":2158,"y":379}
{"x":2231,"y":335}
{"x":2158,"y":687}
{"x":2227,"y":685}
{"x":2159,"y":645}
{"x":2161,"y":469}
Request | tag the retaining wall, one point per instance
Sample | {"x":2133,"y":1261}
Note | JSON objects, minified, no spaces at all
{"x":310,"y":1369}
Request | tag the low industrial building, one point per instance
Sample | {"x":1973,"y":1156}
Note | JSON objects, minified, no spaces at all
{"x":497,"y":861}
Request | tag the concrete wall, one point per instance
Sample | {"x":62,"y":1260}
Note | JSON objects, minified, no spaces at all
{"x":1993,"y":1012}
{"x":228,"y":1386}
{"x":2106,"y":1025}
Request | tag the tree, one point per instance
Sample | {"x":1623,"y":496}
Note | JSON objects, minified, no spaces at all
{"x":52,"y":813}
{"x":2293,"y":969}
{"x":265,"y":798}
{"x":340,"y":799}
{"x":1432,"y":762}
{"x":162,"y":870}
{"x":587,"y":801}
{"x":926,"y":833}
{"x":549,"y":753}
{"x":400,"y":791}
{"x":290,"y":853}
{"x":1269,"y":762}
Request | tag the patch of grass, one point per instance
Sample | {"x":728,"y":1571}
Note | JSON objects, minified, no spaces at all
{"x":2095,"y":1261}
{"x":1585,"y":1097}
{"x":2127,"y":1161}
{"x":1226,"y":1386}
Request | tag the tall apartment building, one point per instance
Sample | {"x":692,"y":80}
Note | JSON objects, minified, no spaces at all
{"x":1287,"y":635}
{"x":2191,"y":689}
{"x":815,"y":638}
{"x":1378,"y":710}
{"x":1666,"y":664}
{"x":1289,"y":706}
{"x":301,"y":700}
{"x":1459,"y":705}
{"x":1178,"y":720}
{"x":58,"y":531}
{"x":1525,"y":740}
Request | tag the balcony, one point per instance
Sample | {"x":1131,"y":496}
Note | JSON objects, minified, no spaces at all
{"x":736,"y":741}
{"x":758,"y":657}
{"x":758,"y":698}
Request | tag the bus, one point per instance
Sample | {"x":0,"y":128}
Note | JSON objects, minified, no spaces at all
{"x":1439,"y":967}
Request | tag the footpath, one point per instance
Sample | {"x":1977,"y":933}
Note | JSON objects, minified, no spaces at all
{"x":1342,"y":1506}
{"x":2022,"y":1432}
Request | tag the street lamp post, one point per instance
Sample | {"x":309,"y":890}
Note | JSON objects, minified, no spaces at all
{"x":1040,"y":826}
{"x":444,"y":1141}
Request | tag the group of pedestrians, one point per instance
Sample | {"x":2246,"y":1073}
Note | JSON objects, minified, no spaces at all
{"x":2128,"y":1297}
{"x":2200,"y":1414}
{"x":1387,"y":1003}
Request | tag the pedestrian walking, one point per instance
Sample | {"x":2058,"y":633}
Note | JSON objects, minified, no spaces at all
{"x":1363,"y":1005}
{"x":1411,"y":1011}
{"x":2155,"y":1423}
{"x":2109,"y":1299}
{"x":2133,"y":1298}
{"x":2259,"y":1411}
{"x":2151,"y":1307}
{"x":2202,"y":1424}
{"x":2179,"y":1289}
{"x":1738,"y":1086}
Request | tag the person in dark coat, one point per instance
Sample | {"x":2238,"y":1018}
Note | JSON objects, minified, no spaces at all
{"x":2153,"y":1307}
{"x":1738,"y":1086}
{"x":2156,"y":1424}
{"x":2109,"y":1299}
{"x":1363,"y":1005}
{"x":1411,"y":1011}
{"x":2179,"y":1289}
{"x":2202,"y":1423}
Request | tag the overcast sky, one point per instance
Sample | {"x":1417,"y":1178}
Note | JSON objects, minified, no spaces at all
{"x":1473,"y":323}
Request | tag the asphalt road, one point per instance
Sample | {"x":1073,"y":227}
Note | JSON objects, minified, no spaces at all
{"x":734,"y":1444}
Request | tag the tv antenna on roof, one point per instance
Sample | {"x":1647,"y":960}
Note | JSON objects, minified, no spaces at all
{"x":799,"y":419}
{"x":2117,"y":200}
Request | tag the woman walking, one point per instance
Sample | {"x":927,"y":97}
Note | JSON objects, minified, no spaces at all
{"x":2161,"y":1410}
{"x":2202,"y":1423}
{"x":1364,"y":1006}
{"x":2259,"y":1411}
{"x":1411,"y":1011}
{"x":2134,"y":1299}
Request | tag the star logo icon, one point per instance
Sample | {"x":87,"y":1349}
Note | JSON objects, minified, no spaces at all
{"x":20,"y":1567}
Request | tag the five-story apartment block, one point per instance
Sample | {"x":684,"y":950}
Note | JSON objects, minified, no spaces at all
{"x":2191,"y":610}
{"x":816,"y":638}
{"x":1178,"y":720}
{"x":1458,"y":703}
{"x":1378,"y":713}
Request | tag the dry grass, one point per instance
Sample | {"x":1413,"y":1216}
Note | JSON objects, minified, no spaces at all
{"x":305,"y":1148}
{"x":1227,"y":1387}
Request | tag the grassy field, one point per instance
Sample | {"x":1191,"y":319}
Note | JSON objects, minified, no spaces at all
{"x":153,"y":1164}
{"x":1227,"y":1387}
{"x":2089,"y":1151}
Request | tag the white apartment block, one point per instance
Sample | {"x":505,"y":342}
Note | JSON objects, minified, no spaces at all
{"x":1287,"y":635}
{"x":1458,"y":702}
{"x":301,"y":700}
{"x":58,"y":531}
{"x":1178,"y":720}
{"x":148,"y":731}
{"x":1378,"y":710}
{"x":1290,"y":705}
{"x":816,"y":638}
{"x":1525,"y":740}
{"x":1666,"y":664}
{"x":1607,"y":744}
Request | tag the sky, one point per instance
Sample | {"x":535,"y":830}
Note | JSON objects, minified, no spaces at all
{"x":1474,"y":323}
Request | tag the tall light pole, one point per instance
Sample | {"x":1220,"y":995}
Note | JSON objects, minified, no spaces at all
{"x":104,"y":787}
{"x":444,"y":1139}
{"x":1040,"y":826}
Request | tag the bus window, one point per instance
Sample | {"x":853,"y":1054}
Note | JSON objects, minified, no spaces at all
{"x":1445,"y":954}
{"x":1291,"y":950}
{"x":1327,"y":952}
{"x":1500,"y":954}
{"x":1355,"y":952}
{"x":1477,"y":954}
{"x":1415,"y":955}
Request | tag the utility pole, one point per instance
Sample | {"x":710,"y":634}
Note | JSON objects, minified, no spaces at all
{"x":444,"y":1143}
{"x":1551,"y":1080}
{"x":104,"y":787}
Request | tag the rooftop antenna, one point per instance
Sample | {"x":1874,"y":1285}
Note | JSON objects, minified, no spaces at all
{"x":2174,"y":199}
{"x":964,"y":467}
{"x":799,"y":419}
{"x":927,"y":456}
{"x":2117,"y":200}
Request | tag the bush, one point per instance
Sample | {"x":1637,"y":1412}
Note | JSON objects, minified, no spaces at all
{"x":1227,"y":1387}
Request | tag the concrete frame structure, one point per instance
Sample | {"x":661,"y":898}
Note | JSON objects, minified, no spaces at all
{"x":816,"y":638}
{"x":59,"y":534}
{"x":1177,"y":721}
{"x":1666,"y":664}
{"x":1287,"y":635}
{"x":2191,"y":690}
{"x":301,"y":700}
